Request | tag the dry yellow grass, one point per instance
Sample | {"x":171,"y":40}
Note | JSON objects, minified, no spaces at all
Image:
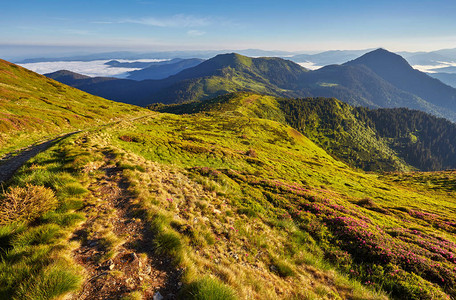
{"x":26,"y":203}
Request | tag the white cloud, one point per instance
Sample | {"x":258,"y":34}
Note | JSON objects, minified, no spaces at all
{"x":177,"y":21}
{"x":309,"y":65}
{"x":194,"y":32}
{"x":90,"y":68}
{"x":434,"y":68}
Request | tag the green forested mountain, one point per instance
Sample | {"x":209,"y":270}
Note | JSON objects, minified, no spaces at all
{"x":230,"y":73}
{"x":422,"y":140}
{"x":378,"y":79}
{"x":222,"y":74}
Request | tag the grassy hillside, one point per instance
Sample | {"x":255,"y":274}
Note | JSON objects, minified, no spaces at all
{"x":237,"y":206}
{"x":33,"y":107}
{"x":362,"y":223}
{"x":370,"y":139}
{"x":333,"y":125}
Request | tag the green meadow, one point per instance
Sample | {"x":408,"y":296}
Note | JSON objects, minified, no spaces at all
{"x":245,"y":205}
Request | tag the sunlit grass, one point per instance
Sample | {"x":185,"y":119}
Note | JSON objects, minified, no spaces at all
{"x":246,"y":208}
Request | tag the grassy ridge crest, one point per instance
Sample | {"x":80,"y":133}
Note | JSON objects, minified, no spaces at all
{"x":33,"y":107}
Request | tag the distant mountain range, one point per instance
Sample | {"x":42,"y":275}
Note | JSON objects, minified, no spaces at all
{"x":377,"y":79}
{"x":155,"y":69}
{"x":329,"y":57}
{"x":447,"y":78}
{"x":204,"y":54}
{"x":432,"y":58}
{"x":164,"y":69}
{"x":219,"y":75}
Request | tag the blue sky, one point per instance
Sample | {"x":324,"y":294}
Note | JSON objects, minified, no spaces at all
{"x":200,"y":24}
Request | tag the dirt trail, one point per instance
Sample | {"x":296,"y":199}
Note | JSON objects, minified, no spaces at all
{"x":10,"y":162}
{"x":134,"y":266}
{"x":14,"y":160}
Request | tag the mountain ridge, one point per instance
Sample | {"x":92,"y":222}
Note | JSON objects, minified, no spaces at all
{"x":358,"y":82}
{"x":161,"y":71}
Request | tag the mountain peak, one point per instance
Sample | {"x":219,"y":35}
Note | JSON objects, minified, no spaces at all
{"x":397,"y":71}
{"x":379,"y":59}
{"x":65,"y":74}
{"x":380,"y":50}
{"x":231,"y":59}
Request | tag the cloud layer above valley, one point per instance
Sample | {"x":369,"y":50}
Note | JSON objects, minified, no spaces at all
{"x":309,"y":65}
{"x":435,"y":68}
{"x":95,"y":68}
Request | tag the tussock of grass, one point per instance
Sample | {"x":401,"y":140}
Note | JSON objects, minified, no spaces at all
{"x":72,"y":190}
{"x":67,"y":219}
{"x":282,"y":268}
{"x":207,"y":288}
{"x":110,"y":242}
{"x":126,"y":166}
{"x":9,"y":231}
{"x":70,"y":204}
{"x":168,"y":243}
{"x":26,"y":203}
{"x":53,"y":281}
{"x":34,"y":263}
{"x":44,"y":234}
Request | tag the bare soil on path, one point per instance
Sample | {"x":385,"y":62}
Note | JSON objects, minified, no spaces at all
{"x":133,"y":266}
{"x":12,"y":161}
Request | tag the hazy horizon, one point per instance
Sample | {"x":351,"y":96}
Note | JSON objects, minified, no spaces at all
{"x":149,"y":26}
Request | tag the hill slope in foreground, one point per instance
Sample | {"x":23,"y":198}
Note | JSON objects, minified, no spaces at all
{"x":220,"y":206}
{"x":33,"y":107}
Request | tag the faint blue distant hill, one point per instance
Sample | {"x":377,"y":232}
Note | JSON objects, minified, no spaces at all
{"x":329,"y":57}
{"x":446,"y":78}
{"x":164,"y":69}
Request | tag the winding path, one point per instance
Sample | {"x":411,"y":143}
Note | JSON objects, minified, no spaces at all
{"x":11,"y":162}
